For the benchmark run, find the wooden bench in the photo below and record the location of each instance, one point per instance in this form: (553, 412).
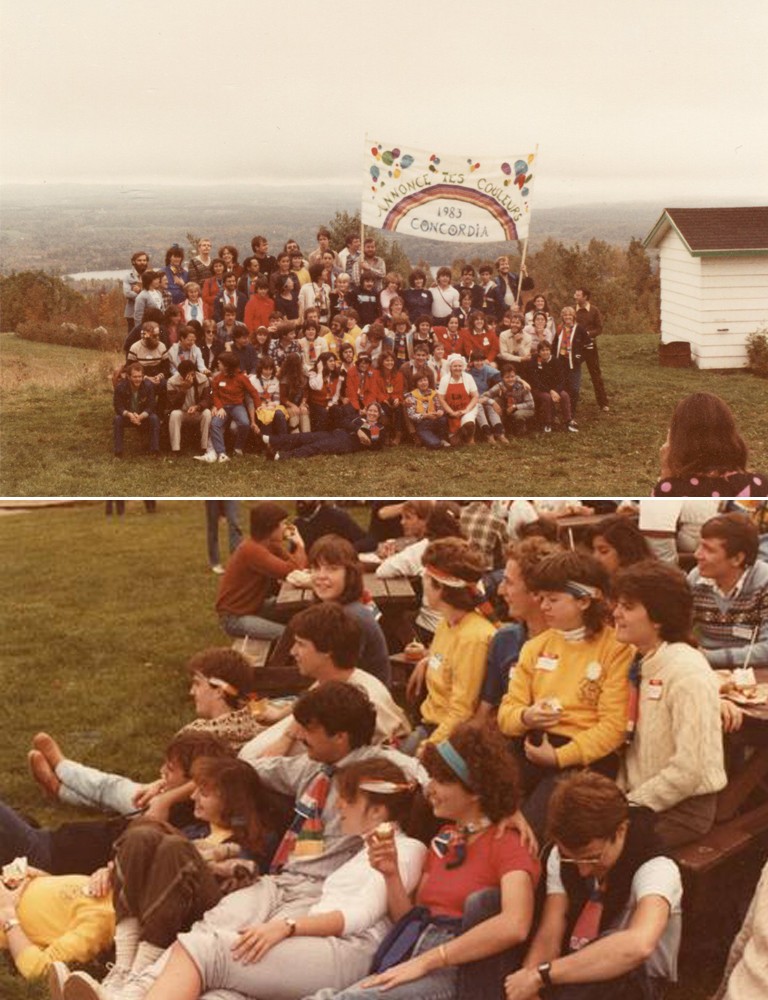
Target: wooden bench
(723, 842)
(270, 680)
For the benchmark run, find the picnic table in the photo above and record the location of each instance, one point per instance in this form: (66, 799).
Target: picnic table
(396, 594)
(579, 524)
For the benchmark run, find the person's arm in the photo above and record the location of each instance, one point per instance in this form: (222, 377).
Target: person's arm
(519, 697)
(407, 562)
(254, 942)
(491, 937)
(469, 659)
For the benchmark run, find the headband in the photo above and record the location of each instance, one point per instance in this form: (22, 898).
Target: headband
(217, 682)
(582, 590)
(455, 761)
(448, 580)
(381, 787)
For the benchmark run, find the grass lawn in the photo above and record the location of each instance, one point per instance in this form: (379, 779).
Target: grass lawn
(55, 439)
(97, 617)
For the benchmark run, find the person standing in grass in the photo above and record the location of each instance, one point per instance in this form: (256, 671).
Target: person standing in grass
(588, 318)
(215, 510)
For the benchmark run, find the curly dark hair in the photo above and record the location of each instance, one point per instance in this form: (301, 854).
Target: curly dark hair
(186, 747)
(339, 708)
(664, 593)
(493, 770)
(622, 534)
(331, 630)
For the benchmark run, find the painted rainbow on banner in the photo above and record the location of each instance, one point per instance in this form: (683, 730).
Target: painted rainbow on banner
(453, 193)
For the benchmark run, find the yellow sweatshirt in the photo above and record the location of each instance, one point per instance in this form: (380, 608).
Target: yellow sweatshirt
(62, 923)
(455, 674)
(589, 677)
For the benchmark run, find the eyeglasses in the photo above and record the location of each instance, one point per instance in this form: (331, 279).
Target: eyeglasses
(592, 862)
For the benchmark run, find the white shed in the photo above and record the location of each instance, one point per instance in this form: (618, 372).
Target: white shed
(714, 280)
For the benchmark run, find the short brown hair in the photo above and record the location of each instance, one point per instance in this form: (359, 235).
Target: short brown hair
(339, 708)
(266, 515)
(737, 532)
(664, 593)
(458, 558)
(529, 553)
(331, 630)
(556, 571)
(186, 747)
(585, 806)
(333, 550)
(228, 665)
(349, 778)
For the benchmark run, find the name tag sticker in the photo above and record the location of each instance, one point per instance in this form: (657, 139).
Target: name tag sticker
(655, 687)
(742, 632)
(435, 661)
(545, 662)
(222, 385)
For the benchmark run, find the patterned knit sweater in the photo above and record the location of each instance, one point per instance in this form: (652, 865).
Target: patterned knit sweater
(677, 751)
(724, 625)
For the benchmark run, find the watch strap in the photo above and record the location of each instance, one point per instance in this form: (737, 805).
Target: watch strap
(545, 973)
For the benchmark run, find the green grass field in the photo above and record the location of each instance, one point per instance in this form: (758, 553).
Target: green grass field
(97, 617)
(55, 439)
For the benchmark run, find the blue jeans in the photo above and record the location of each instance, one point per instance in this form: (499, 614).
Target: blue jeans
(431, 431)
(214, 509)
(573, 386)
(152, 422)
(254, 626)
(239, 414)
(18, 838)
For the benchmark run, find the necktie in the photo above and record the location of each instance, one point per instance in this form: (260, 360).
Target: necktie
(633, 701)
(587, 926)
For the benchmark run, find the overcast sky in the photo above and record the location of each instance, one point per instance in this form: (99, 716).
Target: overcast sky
(627, 99)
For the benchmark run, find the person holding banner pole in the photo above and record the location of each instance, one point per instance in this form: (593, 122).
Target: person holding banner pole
(510, 285)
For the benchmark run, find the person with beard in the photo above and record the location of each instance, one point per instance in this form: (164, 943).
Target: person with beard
(132, 285)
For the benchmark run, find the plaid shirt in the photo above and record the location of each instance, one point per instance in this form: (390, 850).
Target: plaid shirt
(481, 527)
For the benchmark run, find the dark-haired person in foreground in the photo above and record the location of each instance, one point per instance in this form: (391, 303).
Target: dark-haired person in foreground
(730, 593)
(611, 922)
(246, 593)
(135, 405)
(673, 760)
(704, 455)
(337, 723)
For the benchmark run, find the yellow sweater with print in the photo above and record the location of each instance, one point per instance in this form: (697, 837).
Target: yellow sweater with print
(455, 674)
(589, 677)
(62, 923)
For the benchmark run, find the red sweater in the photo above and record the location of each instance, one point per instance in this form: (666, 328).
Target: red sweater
(229, 390)
(389, 388)
(457, 346)
(359, 384)
(250, 570)
(486, 342)
(258, 311)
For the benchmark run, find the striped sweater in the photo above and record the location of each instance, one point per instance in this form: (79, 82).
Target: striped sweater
(724, 625)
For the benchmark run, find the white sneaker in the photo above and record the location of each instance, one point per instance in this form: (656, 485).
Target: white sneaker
(209, 456)
(265, 439)
(57, 976)
(547, 429)
(573, 426)
(239, 452)
(223, 457)
(218, 569)
(81, 986)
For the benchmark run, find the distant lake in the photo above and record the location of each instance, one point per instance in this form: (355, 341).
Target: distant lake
(98, 275)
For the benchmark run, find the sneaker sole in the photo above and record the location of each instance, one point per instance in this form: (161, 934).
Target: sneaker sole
(57, 977)
(79, 986)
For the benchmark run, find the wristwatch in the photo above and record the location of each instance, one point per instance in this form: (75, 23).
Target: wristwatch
(9, 924)
(290, 923)
(545, 973)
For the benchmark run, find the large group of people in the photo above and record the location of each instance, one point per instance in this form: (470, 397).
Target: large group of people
(332, 353)
(508, 833)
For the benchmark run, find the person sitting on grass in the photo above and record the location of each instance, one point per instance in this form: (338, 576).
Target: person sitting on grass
(611, 923)
(319, 917)
(365, 432)
(270, 413)
(162, 880)
(426, 414)
(189, 402)
(390, 393)
(222, 681)
(484, 376)
(477, 337)
(135, 405)
(515, 344)
(230, 389)
(324, 393)
(513, 401)
(246, 602)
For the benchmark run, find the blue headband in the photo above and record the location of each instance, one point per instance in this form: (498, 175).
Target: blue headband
(455, 761)
(576, 589)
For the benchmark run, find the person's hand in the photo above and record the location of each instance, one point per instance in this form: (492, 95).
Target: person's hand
(539, 716)
(194, 408)
(145, 793)
(100, 882)
(382, 855)
(254, 942)
(522, 985)
(520, 825)
(415, 684)
(158, 809)
(555, 396)
(543, 755)
(219, 411)
(731, 716)
(405, 972)
(386, 548)
(664, 458)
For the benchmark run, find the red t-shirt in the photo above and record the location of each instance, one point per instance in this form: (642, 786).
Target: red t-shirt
(444, 890)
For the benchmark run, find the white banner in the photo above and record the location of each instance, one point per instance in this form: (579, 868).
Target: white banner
(438, 196)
